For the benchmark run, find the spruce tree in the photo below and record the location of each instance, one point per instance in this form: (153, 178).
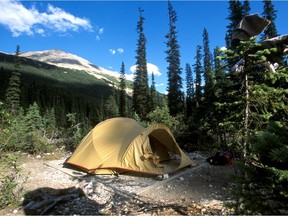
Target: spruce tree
(207, 107)
(222, 89)
(50, 125)
(111, 107)
(218, 65)
(197, 113)
(236, 13)
(238, 117)
(198, 79)
(270, 14)
(34, 121)
(207, 66)
(34, 128)
(190, 91)
(140, 85)
(13, 91)
(153, 94)
(122, 93)
(246, 7)
(260, 124)
(174, 88)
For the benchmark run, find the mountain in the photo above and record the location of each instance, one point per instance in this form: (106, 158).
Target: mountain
(64, 82)
(63, 59)
(66, 90)
(40, 73)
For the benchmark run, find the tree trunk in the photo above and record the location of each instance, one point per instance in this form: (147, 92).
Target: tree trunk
(246, 118)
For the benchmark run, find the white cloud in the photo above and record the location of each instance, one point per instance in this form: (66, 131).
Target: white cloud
(129, 77)
(113, 51)
(22, 20)
(160, 84)
(101, 31)
(40, 31)
(223, 48)
(120, 50)
(151, 68)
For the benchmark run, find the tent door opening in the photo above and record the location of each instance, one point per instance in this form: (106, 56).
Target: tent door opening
(164, 157)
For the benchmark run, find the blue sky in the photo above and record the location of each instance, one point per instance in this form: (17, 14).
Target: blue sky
(104, 32)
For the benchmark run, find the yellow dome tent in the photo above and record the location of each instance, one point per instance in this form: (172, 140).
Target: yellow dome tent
(122, 144)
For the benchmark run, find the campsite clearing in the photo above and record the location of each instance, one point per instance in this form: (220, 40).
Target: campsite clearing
(52, 189)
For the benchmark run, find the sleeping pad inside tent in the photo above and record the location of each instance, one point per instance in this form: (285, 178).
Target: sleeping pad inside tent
(122, 144)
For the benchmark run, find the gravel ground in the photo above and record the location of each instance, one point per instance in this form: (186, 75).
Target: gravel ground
(192, 191)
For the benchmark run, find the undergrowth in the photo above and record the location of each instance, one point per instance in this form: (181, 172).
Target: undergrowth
(11, 189)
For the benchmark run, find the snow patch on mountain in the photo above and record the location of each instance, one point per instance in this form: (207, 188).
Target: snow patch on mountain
(63, 59)
(71, 61)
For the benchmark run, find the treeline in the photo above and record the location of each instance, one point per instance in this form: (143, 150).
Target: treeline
(65, 90)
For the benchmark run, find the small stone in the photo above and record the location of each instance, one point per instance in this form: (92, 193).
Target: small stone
(165, 176)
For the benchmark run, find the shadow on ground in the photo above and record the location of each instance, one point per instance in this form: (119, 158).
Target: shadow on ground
(49, 201)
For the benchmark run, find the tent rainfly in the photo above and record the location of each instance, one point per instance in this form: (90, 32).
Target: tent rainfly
(121, 144)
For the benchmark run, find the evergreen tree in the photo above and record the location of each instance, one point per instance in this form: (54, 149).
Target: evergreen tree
(111, 108)
(60, 110)
(218, 65)
(33, 118)
(34, 128)
(236, 13)
(256, 120)
(207, 66)
(198, 79)
(153, 94)
(238, 106)
(197, 114)
(174, 88)
(122, 94)
(246, 7)
(49, 122)
(4, 80)
(190, 91)
(208, 120)
(270, 14)
(13, 90)
(140, 85)
(267, 174)
(222, 89)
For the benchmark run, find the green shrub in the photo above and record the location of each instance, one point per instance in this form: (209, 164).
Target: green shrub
(9, 194)
(162, 115)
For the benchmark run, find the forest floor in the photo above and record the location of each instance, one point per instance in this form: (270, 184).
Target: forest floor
(51, 188)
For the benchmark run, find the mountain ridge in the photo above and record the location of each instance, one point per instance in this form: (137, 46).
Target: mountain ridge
(64, 59)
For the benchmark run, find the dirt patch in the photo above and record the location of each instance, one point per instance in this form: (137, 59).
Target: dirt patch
(53, 189)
